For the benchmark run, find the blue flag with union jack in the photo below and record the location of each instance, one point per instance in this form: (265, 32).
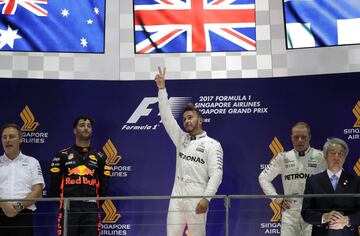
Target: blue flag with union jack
(52, 25)
(316, 23)
(194, 25)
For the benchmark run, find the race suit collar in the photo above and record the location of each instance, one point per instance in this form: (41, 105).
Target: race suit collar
(81, 149)
(302, 153)
(198, 136)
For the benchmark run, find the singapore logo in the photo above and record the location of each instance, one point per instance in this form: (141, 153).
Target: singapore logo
(30, 125)
(111, 153)
(112, 160)
(357, 167)
(109, 224)
(274, 225)
(276, 147)
(354, 133)
(111, 214)
(136, 121)
(356, 112)
(29, 120)
(276, 210)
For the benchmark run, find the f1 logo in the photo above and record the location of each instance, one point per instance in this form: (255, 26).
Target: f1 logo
(142, 109)
(177, 105)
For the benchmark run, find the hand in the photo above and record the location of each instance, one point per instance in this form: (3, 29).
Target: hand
(326, 217)
(283, 203)
(10, 209)
(338, 220)
(202, 206)
(160, 78)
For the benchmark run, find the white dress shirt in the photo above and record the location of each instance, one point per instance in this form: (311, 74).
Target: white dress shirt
(18, 176)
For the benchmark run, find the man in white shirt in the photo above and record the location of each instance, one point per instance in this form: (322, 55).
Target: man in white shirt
(294, 166)
(199, 166)
(20, 178)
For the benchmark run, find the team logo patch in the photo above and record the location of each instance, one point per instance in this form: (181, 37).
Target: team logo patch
(70, 156)
(92, 157)
(55, 170)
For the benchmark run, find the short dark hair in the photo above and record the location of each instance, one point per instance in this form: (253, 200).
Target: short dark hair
(76, 121)
(11, 125)
(191, 107)
(304, 124)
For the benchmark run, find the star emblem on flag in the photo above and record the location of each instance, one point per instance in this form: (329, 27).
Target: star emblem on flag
(7, 37)
(52, 26)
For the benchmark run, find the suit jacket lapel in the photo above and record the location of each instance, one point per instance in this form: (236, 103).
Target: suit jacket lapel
(344, 181)
(325, 182)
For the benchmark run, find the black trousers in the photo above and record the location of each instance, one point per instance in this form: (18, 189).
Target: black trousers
(20, 225)
(83, 219)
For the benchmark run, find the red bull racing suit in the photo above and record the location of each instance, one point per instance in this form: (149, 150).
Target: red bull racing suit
(294, 170)
(80, 172)
(199, 171)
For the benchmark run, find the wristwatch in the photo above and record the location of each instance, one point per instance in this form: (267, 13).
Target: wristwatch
(20, 206)
(349, 222)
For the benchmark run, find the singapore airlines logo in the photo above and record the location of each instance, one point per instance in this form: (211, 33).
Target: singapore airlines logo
(356, 111)
(354, 132)
(29, 135)
(276, 147)
(29, 120)
(112, 160)
(277, 212)
(357, 167)
(111, 214)
(110, 151)
(273, 227)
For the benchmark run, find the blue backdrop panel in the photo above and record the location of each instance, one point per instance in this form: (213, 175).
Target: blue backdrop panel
(244, 115)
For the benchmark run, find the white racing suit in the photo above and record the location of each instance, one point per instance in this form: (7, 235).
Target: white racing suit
(294, 170)
(199, 163)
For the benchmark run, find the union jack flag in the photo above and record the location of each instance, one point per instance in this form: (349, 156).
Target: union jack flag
(30, 5)
(317, 23)
(194, 25)
(52, 26)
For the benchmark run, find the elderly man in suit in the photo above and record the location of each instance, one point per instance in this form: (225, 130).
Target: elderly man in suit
(333, 216)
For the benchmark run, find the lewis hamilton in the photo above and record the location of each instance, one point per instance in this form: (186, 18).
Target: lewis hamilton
(199, 166)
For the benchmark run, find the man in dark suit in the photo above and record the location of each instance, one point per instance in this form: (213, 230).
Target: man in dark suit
(333, 216)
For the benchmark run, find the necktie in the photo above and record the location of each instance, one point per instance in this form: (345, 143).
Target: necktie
(334, 181)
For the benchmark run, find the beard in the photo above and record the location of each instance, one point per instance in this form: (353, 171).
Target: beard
(85, 136)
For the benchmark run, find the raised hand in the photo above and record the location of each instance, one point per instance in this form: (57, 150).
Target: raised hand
(160, 78)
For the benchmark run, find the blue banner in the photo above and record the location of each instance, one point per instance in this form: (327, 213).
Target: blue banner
(248, 117)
